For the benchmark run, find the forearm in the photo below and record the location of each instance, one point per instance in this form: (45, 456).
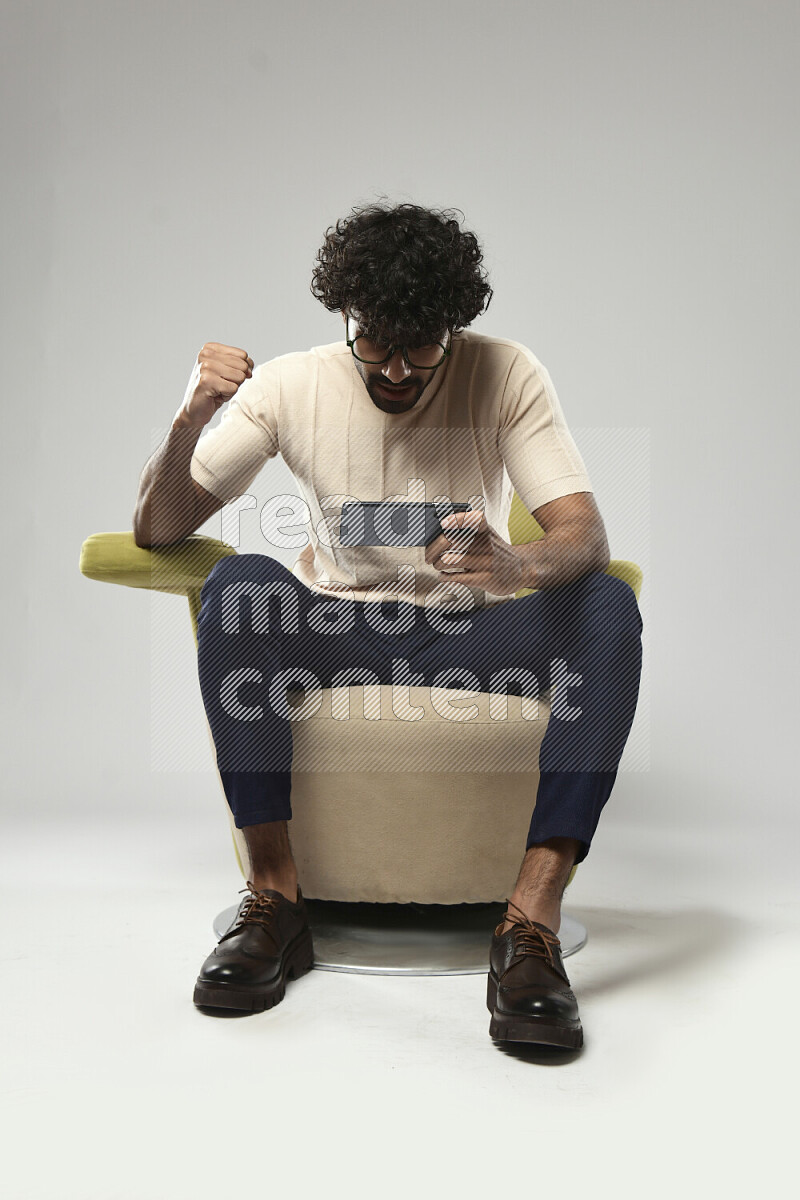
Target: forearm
(166, 504)
(563, 554)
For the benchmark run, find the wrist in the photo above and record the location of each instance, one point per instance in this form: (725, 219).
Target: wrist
(527, 573)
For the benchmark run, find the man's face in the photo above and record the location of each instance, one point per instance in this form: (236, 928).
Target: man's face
(394, 386)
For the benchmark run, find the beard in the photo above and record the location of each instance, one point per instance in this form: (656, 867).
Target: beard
(406, 396)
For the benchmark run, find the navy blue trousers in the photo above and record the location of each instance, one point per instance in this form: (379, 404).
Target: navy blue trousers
(261, 631)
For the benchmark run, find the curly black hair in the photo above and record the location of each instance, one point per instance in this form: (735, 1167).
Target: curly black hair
(407, 272)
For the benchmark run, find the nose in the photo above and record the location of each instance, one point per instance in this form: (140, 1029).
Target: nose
(396, 369)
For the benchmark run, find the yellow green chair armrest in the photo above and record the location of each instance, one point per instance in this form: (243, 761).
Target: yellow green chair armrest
(115, 558)
(523, 527)
(629, 572)
(181, 568)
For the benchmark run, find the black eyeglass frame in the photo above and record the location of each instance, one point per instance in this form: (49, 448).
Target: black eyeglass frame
(404, 349)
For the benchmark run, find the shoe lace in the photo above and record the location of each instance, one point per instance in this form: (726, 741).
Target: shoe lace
(257, 909)
(530, 938)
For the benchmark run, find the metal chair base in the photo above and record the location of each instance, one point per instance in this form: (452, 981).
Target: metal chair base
(407, 939)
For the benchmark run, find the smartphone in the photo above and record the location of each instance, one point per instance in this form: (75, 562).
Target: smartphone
(393, 522)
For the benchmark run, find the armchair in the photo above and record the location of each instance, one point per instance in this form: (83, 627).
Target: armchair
(365, 832)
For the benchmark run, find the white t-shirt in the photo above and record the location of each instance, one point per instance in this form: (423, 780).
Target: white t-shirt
(489, 423)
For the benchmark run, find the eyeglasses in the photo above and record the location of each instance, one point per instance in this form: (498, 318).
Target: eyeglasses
(421, 358)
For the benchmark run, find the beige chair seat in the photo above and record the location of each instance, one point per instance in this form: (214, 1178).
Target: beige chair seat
(433, 810)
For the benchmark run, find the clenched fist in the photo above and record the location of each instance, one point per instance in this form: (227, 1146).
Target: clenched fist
(217, 376)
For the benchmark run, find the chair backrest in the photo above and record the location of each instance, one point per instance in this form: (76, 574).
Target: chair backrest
(522, 527)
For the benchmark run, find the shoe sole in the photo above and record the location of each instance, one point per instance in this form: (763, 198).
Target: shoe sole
(298, 960)
(513, 1027)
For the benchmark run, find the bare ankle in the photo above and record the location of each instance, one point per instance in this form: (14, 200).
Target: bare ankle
(544, 909)
(271, 862)
(542, 880)
(287, 886)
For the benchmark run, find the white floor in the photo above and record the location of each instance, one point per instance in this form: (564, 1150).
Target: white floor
(116, 1088)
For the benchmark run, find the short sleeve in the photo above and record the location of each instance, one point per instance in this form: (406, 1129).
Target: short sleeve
(228, 457)
(536, 446)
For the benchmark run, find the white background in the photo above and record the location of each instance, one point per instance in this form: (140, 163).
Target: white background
(169, 171)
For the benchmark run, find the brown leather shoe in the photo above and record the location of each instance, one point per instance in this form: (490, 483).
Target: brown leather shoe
(528, 991)
(268, 943)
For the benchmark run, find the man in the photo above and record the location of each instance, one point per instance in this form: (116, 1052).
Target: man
(410, 403)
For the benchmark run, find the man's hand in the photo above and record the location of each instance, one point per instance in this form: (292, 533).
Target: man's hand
(171, 504)
(216, 377)
(476, 554)
(574, 543)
